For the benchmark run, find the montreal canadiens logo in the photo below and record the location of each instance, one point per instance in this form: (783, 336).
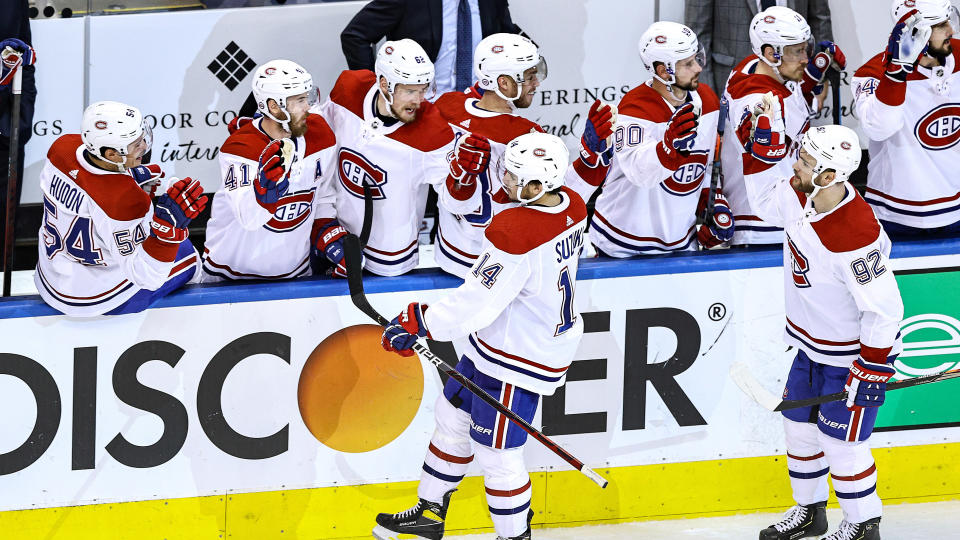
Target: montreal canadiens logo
(845, 145)
(769, 19)
(939, 129)
(270, 71)
(388, 50)
(660, 39)
(539, 152)
(100, 124)
(356, 171)
(688, 177)
(292, 211)
(497, 49)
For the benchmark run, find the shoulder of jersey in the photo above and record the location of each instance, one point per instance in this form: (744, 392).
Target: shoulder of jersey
(351, 89)
(247, 142)
(848, 228)
(645, 103)
(955, 43)
(501, 128)
(746, 84)
(708, 98)
(319, 135)
(429, 132)
(873, 68)
(522, 229)
(118, 195)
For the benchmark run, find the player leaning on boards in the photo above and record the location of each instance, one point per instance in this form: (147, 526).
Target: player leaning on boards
(843, 312)
(273, 215)
(781, 64)
(395, 142)
(105, 247)
(509, 70)
(525, 276)
(665, 135)
(907, 101)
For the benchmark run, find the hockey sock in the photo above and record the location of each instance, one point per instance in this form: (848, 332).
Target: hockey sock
(854, 476)
(449, 454)
(806, 462)
(508, 488)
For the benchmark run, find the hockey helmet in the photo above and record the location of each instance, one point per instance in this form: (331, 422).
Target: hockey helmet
(932, 12)
(669, 42)
(506, 54)
(279, 80)
(404, 62)
(832, 147)
(536, 156)
(778, 27)
(114, 125)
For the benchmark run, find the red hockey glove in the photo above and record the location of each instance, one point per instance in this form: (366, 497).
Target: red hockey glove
(471, 156)
(272, 181)
(175, 209)
(867, 383)
(147, 177)
(327, 244)
(679, 137)
(404, 329)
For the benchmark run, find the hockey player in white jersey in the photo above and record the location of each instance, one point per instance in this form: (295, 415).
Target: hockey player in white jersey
(509, 70)
(843, 311)
(273, 216)
(395, 143)
(516, 308)
(664, 140)
(907, 101)
(783, 63)
(105, 247)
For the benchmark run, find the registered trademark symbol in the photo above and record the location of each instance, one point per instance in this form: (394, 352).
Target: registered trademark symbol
(717, 311)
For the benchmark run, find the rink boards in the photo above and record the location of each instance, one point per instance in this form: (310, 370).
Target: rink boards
(251, 409)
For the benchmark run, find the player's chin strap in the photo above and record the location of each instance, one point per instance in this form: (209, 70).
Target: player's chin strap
(285, 124)
(527, 202)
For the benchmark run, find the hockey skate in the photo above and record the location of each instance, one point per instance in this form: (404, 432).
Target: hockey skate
(525, 535)
(799, 522)
(425, 520)
(868, 530)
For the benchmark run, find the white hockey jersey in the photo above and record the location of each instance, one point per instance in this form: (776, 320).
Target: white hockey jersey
(397, 162)
(460, 236)
(745, 90)
(645, 207)
(95, 249)
(516, 304)
(913, 175)
(840, 293)
(247, 241)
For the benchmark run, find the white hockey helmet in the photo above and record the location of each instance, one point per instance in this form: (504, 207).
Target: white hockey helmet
(932, 12)
(536, 156)
(669, 42)
(278, 80)
(114, 125)
(832, 147)
(778, 27)
(404, 62)
(506, 54)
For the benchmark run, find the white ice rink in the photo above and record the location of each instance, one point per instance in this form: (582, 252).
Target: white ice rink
(926, 521)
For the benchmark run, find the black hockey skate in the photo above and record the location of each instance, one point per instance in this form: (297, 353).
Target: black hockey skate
(425, 520)
(868, 530)
(525, 535)
(799, 522)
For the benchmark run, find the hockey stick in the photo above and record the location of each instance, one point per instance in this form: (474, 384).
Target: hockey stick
(707, 216)
(351, 247)
(833, 75)
(12, 180)
(741, 375)
(367, 215)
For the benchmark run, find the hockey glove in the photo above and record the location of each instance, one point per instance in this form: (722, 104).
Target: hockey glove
(240, 121)
(272, 181)
(148, 177)
(679, 137)
(900, 59)
(769, 143)
(174, 210)
(595, 148)
(470, 158)
(13, 54)
(720, 229)
(817, 67)
(404, 329)
(327, 244)
(867, 383)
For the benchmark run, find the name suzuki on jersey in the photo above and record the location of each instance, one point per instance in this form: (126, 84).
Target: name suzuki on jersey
(570, 246)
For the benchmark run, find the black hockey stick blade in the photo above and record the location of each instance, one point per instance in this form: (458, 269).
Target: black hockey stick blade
(353, 259)
(834, 77)
(741, 375)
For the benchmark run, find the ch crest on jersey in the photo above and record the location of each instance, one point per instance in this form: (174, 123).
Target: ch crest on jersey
(292, 211)
(688, 177)
(800, 265)
(939, 129)
(356, 171)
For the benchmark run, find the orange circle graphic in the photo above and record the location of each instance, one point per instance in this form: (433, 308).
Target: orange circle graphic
(353, 395)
